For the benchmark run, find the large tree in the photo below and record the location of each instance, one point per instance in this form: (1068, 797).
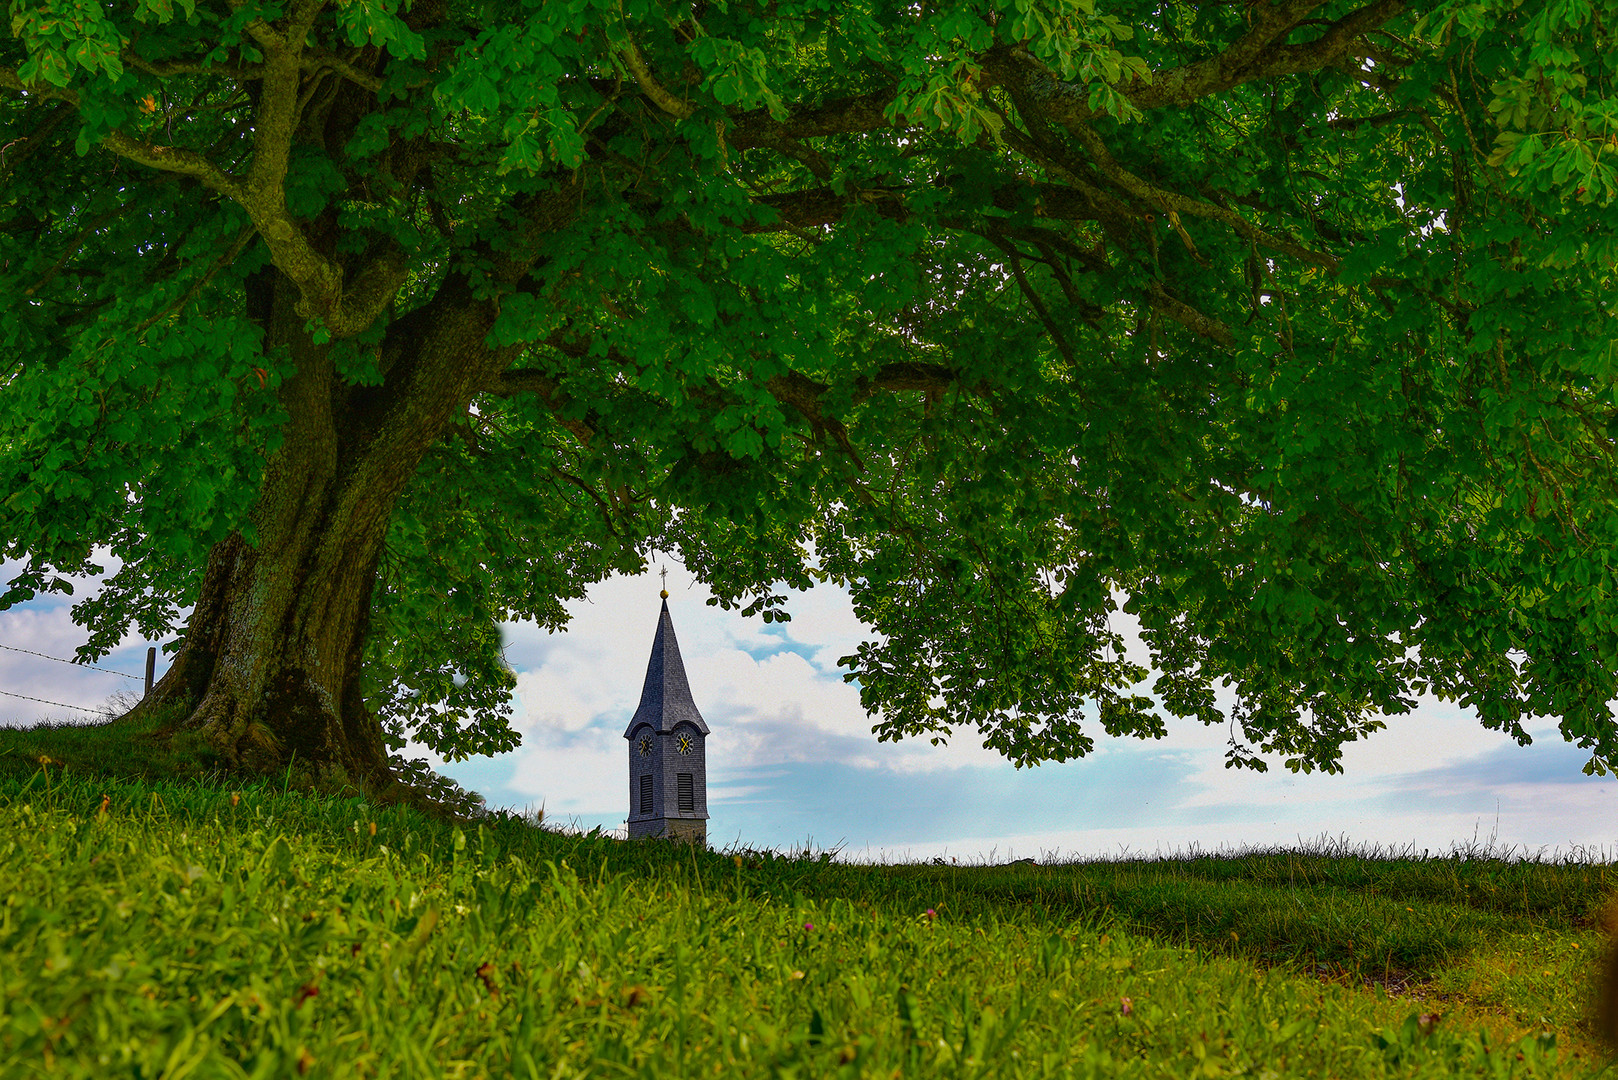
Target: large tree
(358, 326)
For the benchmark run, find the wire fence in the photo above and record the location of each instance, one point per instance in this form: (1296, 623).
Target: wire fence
(42, 701)
(151, 666)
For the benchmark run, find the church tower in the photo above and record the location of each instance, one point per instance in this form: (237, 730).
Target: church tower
(668, 776)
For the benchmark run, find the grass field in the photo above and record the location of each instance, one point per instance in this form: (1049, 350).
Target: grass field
(197, 928)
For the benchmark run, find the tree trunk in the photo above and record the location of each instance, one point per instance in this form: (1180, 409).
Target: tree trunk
(270, 670)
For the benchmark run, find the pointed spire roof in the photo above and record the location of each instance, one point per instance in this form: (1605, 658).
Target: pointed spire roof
(665, 700)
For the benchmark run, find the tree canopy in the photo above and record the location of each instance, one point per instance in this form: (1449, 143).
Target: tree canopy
(359, 326)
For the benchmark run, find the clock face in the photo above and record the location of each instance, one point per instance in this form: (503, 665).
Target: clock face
(684, 743)
(646, 745)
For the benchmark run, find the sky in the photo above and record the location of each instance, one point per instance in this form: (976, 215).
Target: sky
(792, 762)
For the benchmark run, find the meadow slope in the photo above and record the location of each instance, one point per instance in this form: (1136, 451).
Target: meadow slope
(189, 929)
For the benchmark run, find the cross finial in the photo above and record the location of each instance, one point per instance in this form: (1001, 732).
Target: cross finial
(665, 573)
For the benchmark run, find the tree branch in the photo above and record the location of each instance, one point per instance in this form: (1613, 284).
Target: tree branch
(911, 375)
(220, 263)
(840, 116)
(166, 158)
(173, 159)
(1110, 210)
(1335, 42)
(327, 61)
(1190, 318)
(168, 68)
(74, 245)
(1270, 22)
(636, 63)
(19, 149)
(1259, 54)
(515, 381)
(813, 207)
(1034, 299)
(802, 394)
(262, 193)
(1174, 203)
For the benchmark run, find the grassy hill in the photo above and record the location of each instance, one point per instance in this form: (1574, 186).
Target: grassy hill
(201, 928)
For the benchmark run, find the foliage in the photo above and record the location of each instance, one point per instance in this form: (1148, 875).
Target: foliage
(1285, 323)
(277, 934)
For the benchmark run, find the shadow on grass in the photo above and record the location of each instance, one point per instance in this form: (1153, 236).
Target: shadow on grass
(1372, 915)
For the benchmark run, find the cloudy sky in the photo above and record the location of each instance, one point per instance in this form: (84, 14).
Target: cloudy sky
(792, 760)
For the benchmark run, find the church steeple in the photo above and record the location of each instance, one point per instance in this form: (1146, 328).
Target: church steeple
(668, 782)
(665, 699)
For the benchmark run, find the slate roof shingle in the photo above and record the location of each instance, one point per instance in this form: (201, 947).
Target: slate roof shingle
(665, 700)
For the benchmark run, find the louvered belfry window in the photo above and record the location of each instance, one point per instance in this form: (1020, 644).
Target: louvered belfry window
(646, 794)
(687, 793)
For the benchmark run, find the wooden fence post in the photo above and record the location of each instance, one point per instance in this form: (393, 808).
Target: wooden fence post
(151, 667)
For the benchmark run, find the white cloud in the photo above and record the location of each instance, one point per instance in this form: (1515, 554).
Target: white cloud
(792, 749)
(773, 692)
(776, 701)
(45, 626)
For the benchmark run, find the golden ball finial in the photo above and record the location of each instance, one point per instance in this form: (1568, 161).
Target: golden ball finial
(665, 594)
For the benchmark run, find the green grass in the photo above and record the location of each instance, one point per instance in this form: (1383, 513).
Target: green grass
(151, 748)
(128, 748)
(1509, 940)
(154, 928)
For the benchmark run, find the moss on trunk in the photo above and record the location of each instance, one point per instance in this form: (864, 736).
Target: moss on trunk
(269, 672)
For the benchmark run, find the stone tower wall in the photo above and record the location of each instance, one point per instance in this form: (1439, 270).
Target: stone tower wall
(680, 830)
(639, 766)
(695, 763)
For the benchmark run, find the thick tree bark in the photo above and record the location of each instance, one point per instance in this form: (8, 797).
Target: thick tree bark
(270, 670)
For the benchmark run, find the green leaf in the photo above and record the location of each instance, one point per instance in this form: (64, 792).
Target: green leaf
(481, 95)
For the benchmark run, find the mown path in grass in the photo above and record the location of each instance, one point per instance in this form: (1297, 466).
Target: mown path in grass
(1510, 941)
(181, 929)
